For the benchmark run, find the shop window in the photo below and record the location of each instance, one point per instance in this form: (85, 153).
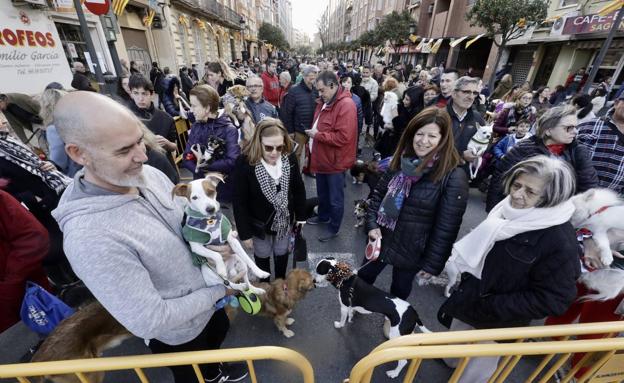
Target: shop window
(74, 44)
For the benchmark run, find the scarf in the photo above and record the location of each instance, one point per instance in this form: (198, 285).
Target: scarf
(399, 188)
(504, 222)
(277, 198)
(16, 152)
(516, 114)
(556, 149)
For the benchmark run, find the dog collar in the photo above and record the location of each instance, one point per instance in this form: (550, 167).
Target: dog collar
(479, 142)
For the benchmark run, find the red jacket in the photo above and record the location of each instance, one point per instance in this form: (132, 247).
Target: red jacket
(272, 88)
(335, 145)
(23, 245)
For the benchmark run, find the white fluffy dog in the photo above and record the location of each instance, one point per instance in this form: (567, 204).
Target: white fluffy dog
(389, 109)
(599, 210)
(478, 145)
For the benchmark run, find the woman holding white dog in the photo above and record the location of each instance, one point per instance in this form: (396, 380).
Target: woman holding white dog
(269, 195)
(522, 262)
(417, 206)
(555, 137)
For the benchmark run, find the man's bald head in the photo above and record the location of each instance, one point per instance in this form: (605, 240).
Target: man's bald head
(78, 66)
(81, 117)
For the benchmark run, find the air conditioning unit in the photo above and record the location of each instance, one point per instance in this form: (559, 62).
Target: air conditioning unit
(430, 9)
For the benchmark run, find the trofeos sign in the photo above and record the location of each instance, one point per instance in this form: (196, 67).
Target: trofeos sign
(31, 53)
(593, 23)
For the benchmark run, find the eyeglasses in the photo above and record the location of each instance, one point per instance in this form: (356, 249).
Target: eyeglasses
(255, 86)
(270, 149)
(466, 92)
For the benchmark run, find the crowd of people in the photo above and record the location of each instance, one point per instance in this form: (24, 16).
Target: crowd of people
(97, 208)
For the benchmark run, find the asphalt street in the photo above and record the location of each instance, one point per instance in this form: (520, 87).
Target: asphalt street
(332, 352)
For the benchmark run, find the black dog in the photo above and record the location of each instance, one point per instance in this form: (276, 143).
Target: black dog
(357, 295)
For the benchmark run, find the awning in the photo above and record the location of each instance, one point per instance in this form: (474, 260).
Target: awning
(611, 7)
(420, 46)
(414, 38)
(437, 45)
(119, 6)
(469, 43)
(458, 41)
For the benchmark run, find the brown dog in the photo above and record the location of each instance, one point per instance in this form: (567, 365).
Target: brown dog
(86, 334)
(282, 296)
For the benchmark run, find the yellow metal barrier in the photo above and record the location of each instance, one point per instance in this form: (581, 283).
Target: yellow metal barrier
(601, 358)
(137, 363)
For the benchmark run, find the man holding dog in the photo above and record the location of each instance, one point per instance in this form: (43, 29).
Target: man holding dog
(122, 234)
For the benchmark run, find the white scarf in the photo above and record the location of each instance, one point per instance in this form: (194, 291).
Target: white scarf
(502, 223)
(275, 171)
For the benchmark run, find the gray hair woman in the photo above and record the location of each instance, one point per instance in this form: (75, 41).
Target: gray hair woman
(522, 262)
(555, 137)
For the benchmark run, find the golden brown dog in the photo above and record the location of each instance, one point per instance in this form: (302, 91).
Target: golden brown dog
(86, 334)
(282, 296)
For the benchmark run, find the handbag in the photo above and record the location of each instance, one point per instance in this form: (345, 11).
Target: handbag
(42, 311)
(298, 245)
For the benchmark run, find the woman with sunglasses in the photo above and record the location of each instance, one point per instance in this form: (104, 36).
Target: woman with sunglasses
(555, 137)
(269, 195)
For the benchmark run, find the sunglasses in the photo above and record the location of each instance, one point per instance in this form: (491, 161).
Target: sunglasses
(270, 149)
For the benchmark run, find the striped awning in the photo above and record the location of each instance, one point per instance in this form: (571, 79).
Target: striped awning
(437, 45)
(458, 41)
(611, 7)
(469, 43)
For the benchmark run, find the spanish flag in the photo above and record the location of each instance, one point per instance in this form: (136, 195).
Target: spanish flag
(119, 6)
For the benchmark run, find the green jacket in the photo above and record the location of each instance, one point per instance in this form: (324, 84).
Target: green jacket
(22, 111)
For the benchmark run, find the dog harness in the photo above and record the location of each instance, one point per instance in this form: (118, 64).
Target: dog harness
(207, 230)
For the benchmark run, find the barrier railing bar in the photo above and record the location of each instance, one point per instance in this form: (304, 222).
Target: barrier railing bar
(22, 380)
(592, 370)
(490, 349)
(412, 370)
(501, 365)
(510, 366)
(141, 375)
(252, 371)
(82, 377)
(556, 366)
(459, 370)
(503, 334)
(198, 373)
(542, 364)
(577, 367)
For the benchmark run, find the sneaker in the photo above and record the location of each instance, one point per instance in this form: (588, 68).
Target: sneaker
(316, 221)
(327, 237)
(230, 372)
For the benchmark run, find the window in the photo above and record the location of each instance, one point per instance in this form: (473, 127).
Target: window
(567, 3)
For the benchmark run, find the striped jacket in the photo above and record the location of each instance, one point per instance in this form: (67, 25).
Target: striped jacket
(606, 145)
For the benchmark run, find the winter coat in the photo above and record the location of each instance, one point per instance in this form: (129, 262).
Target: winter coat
(506, 144)
(272, 88)
(163, 162)
(157, 121)
(526, 277)
(502, 89)
(576, 155)
(502, 124)
(297, 109)
(187, 83)
(427, 225)
(260, 110)
(252, 211)
(21, 112)
(365, 97)
(23, 247)
(220, 127)
(335, 144)
(168, 101)
(360, 111)
(464, 130)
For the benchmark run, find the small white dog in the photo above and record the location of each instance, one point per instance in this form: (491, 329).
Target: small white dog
(478, 145)
(205, 226)
(599, 210)
(389, 109)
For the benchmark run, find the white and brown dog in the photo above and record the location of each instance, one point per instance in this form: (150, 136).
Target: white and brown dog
(601, 212)
(478, 145)
(206, 226)
(357, 295)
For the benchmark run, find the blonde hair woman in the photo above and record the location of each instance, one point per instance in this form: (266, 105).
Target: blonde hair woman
(269, 195)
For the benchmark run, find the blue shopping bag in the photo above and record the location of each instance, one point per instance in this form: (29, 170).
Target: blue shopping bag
(42, 311)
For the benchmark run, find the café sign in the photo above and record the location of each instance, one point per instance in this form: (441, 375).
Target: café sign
(31, 52)
(593, 23)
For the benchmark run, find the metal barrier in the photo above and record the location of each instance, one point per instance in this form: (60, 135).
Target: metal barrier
(81, 367)
(602, 363)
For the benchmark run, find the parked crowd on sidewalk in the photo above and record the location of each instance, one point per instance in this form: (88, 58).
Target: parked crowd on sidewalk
(94, 203)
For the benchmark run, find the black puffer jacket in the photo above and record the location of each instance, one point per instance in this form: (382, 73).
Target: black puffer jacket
(428, 223)
(529, 276)
(576, 155)
(297, 110)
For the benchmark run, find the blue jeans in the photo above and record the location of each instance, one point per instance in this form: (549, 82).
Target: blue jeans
(330, 191)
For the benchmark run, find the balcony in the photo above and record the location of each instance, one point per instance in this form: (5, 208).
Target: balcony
(212, 10)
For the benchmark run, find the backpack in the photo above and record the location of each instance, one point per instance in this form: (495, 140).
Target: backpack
(42, 311)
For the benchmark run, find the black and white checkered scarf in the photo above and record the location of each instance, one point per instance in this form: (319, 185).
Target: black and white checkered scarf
(279, 200)
(16, 152)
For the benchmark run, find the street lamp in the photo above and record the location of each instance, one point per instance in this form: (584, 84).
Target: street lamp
(244, 53)
(412, 28)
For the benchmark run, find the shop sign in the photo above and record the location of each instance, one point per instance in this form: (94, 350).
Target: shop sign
(593, 23)
(31, 52)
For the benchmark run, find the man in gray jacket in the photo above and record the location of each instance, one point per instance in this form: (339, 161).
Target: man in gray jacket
(258, 106)
(122, 235)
